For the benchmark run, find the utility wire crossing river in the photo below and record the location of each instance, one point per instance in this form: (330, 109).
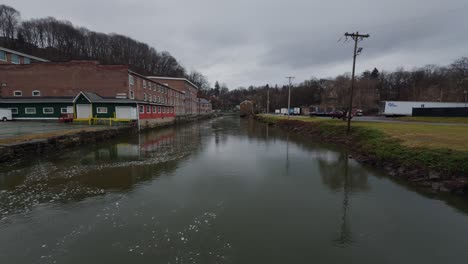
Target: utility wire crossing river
(227, 190)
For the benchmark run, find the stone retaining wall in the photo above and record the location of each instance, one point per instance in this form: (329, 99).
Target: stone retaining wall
(16, 151)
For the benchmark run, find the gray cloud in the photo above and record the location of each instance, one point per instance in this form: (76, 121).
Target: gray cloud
(256, 42)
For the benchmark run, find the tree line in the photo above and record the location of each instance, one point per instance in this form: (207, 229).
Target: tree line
(428, 83)
(60, 40)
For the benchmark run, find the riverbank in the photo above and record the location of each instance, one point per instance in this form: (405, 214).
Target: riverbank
(17, 148)
(14, 151)
(437, 169)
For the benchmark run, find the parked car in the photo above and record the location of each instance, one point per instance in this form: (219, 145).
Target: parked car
(338, 115)
(358, 112)
(5, 114)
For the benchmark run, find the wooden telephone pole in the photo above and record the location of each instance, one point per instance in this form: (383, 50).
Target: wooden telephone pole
(356, 37)
(268, 98)
(289, 94)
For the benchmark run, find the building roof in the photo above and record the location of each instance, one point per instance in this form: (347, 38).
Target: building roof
(174, 78)
(203, 101)
(95, 98)
(149, 79)
(36, 100)
(23, 54)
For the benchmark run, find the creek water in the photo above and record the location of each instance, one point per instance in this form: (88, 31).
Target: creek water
(227, 190)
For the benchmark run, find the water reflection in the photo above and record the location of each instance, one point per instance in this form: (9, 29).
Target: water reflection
(221, 191)
(91, 171)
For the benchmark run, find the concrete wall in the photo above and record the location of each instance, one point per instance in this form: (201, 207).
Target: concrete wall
(156, 122)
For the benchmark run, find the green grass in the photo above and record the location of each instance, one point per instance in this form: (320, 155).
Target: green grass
(422, 135)
(453, 120)
(410, 135)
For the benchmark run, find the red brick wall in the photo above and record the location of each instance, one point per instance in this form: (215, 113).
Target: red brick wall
(169, 112)
(64, 79)
(190, 93)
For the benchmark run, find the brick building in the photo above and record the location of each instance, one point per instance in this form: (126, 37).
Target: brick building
(79, 87)
(8, 56)
(182, 85)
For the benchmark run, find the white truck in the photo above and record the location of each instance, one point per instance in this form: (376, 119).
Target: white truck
(5, 114)
(405, 108)
(297, 111)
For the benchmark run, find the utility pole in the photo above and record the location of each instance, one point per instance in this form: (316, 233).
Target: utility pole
(466, 96)
(289, 94)
(268, 98)
(356, 37)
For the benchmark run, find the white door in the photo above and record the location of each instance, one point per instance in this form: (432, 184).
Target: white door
(70, 109)
(134, 113)
(83, 111)
(123, 112)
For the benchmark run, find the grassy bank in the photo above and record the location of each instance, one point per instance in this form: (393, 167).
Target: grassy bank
(451, 120)
(418, 152)
(409, 134)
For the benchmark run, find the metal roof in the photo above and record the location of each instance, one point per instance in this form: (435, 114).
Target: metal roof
(23, 54)
(36, 100)
(174, 78)
(92, 97)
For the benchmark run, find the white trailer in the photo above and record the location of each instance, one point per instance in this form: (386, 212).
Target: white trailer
(277, 111)
(297, 111)
(284, 111)
(405, 108)
(5, 114)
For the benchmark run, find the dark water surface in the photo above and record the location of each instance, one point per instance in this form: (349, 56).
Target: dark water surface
(221, 191)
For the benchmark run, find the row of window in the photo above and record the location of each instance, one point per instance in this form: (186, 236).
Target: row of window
(154, 86)
(154, 108)
(15, 59)
(20, 93)
(154, 98)
(32, 110)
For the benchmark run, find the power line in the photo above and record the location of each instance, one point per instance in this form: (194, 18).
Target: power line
(357, 38)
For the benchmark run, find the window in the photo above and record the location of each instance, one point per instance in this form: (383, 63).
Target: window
(159, 99)
(26, 60)
(17, 93)
(154, 87)
(154, 109)
(144, 84)
(159, 109)
(144, 97)
(154, 98)
(63, 110)
(149, 98)
(148, 109)
(164, 109)
(46, 110)
(101, 110)
(131, 80)
(30, 110)
(3, 55)
(36, 93)
(15, 59)
(14, 110)
(142, 109)
(131, 95)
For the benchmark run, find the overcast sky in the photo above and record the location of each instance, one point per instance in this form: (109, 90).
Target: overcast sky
(254, 42)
